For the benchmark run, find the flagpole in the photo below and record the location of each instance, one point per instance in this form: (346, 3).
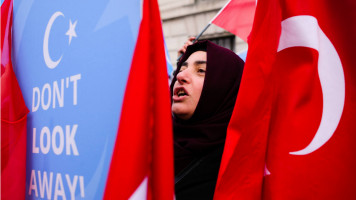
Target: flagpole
(196, 38)
(211, 21)
(201, 33)
(206, 27)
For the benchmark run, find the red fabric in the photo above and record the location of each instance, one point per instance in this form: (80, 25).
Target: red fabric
(237, 17)
(280, 107)
(144, 146)
(13, 118)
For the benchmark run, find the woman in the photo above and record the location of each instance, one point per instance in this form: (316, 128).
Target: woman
(203, 90)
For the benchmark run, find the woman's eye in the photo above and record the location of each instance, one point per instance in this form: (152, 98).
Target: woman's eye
(201, 70)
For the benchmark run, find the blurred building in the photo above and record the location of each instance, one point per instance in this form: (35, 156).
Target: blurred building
(184, 18)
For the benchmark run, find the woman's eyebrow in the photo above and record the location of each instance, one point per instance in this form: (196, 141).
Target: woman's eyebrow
(199, 62)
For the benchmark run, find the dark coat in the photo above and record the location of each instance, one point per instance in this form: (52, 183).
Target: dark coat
(199, 141)
(198, 180)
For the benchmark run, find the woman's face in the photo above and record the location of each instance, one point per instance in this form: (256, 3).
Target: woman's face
(187, 89)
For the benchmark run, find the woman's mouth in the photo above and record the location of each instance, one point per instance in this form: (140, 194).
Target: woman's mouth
(179, 94)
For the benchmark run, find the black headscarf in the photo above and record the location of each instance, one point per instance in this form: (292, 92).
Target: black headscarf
(205, 131)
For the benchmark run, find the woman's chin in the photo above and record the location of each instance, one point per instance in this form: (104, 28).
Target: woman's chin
(181, 113)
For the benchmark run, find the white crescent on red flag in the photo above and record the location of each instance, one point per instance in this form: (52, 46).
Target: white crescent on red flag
(293, 115)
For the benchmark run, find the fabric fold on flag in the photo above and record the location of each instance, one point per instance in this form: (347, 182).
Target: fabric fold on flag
(13, 117)
(291, 135)
(237, 17)
(143, 152)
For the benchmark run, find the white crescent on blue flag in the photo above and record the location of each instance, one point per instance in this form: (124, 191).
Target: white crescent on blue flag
(72, 60)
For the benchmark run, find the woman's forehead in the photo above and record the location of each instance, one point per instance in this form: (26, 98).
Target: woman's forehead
(198, 55)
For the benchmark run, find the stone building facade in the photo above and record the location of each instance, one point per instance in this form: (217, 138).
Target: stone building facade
(184, 18)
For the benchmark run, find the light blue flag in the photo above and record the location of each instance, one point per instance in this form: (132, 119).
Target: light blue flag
(168, 60)
(72, 60)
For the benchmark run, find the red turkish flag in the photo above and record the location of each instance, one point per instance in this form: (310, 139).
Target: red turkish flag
(13, 118)
(142, 161)
(237, 17)
(292, 133)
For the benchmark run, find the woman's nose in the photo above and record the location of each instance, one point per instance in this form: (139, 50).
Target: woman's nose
(183, 76)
